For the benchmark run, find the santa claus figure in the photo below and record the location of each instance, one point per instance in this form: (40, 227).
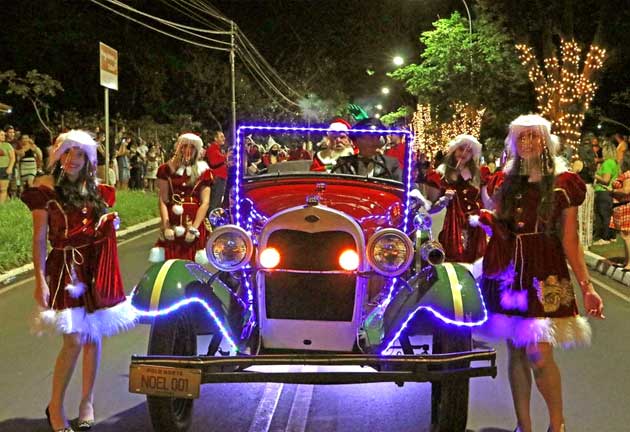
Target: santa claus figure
(337, 144)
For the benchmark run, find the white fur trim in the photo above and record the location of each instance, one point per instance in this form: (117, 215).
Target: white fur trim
(560, 332)
(475, 221)
(75, 290)
(90, 326)
(202, 166)
(73, 138)
(157, 255)
(201, 257)
(514, 300)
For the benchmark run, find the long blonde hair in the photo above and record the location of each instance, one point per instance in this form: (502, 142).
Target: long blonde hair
(188, 139)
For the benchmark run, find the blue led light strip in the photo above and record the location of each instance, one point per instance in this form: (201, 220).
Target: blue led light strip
(239, 151)
(186, 302)
(438, 315)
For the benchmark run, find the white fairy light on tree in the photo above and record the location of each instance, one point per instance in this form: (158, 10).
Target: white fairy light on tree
(563, 92)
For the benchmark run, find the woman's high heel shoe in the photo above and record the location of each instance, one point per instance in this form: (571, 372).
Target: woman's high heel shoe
(63, 429)
(85, 425)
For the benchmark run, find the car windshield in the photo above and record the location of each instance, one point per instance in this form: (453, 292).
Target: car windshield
(269, 151)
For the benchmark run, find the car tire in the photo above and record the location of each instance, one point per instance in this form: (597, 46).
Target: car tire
(449, 398)
(172, 335)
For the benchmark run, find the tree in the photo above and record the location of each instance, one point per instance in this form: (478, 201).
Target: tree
(564, 87)
(481, 70)
(34, 87)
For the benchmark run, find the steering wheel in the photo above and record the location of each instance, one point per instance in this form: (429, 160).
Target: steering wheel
(347, 163)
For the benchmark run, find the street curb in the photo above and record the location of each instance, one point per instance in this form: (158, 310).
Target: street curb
(606, 267)
(13, 273)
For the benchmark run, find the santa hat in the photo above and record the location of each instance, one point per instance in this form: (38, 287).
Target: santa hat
(529, 121)
(464, 139)
(190, 138)
(272, 142)
(339, 125)
(73, 138)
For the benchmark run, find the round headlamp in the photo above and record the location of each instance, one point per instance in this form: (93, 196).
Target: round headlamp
(229, 248)
(390, 252)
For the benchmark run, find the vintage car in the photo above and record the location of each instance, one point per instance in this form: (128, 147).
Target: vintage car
(312, 268)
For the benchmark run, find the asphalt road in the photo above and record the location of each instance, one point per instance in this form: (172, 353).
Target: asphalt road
(596, 382)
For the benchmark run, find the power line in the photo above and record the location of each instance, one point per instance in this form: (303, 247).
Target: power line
(160, 31)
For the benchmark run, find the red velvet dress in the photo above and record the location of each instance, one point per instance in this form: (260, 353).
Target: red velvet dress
(83, 255)
(526, 282)
(461, 241)
(188, 194)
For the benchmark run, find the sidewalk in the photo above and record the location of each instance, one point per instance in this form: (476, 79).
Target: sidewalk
(607, 264)
(8, 277)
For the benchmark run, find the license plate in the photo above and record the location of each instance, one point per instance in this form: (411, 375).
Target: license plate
(165, 381)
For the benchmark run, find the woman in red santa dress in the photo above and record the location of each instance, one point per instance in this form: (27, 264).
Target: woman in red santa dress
(184, 199)
(455, 184)
(526, 281)
(78, 283)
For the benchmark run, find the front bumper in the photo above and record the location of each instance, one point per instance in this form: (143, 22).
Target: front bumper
(398, 369)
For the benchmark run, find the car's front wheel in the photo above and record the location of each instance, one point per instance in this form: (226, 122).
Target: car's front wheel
(172, 335)
(449, 398)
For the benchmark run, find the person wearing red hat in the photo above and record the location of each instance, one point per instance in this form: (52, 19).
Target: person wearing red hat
(455, 184)
(337, 144)
(526, 283)
(184, 184)
(78, 285)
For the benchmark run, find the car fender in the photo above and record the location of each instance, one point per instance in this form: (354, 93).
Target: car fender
(448, 292)
(176, 283)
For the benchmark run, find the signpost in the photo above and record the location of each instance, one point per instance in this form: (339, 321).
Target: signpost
(108, 65)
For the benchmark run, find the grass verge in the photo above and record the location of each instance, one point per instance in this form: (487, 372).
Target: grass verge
(16, 224)
(613, 251)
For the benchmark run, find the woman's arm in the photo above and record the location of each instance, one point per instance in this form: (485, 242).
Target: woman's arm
(163, 198)
(204, 206)
(40, 231)
(603, 179)
(575, 255)
(11, 161)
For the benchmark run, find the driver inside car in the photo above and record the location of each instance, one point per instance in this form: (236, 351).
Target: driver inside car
(369, 161)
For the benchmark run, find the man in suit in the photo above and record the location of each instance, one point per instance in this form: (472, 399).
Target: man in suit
(369, 161)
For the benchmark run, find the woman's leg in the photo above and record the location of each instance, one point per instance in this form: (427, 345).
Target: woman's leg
(548, 381)
(520, 376)
(4, 190)
(64, 366)
(625, 236)
(91, 361)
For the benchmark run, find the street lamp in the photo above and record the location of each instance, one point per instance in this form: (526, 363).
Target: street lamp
(385, 90)
(379, 107)
(399, 61)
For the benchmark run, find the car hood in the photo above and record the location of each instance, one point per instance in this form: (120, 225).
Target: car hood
(371, 204)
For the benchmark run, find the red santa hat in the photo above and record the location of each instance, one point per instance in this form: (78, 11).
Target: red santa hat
(468, 140)
(73, 138)
(339, 125)
(190, 138)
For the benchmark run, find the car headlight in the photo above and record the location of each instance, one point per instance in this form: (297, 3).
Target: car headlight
(229, 248)
(390, 252)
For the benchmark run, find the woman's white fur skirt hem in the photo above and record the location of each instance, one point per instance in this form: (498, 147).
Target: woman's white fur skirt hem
(91, 327)
(566, 332)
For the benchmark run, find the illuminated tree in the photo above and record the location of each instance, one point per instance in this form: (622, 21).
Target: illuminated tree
(564, 86)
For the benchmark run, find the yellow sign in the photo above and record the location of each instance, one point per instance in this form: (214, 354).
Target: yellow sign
(108, 65)
(165, 381)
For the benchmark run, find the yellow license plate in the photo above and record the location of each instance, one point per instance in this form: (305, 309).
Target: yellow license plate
(165, 381)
